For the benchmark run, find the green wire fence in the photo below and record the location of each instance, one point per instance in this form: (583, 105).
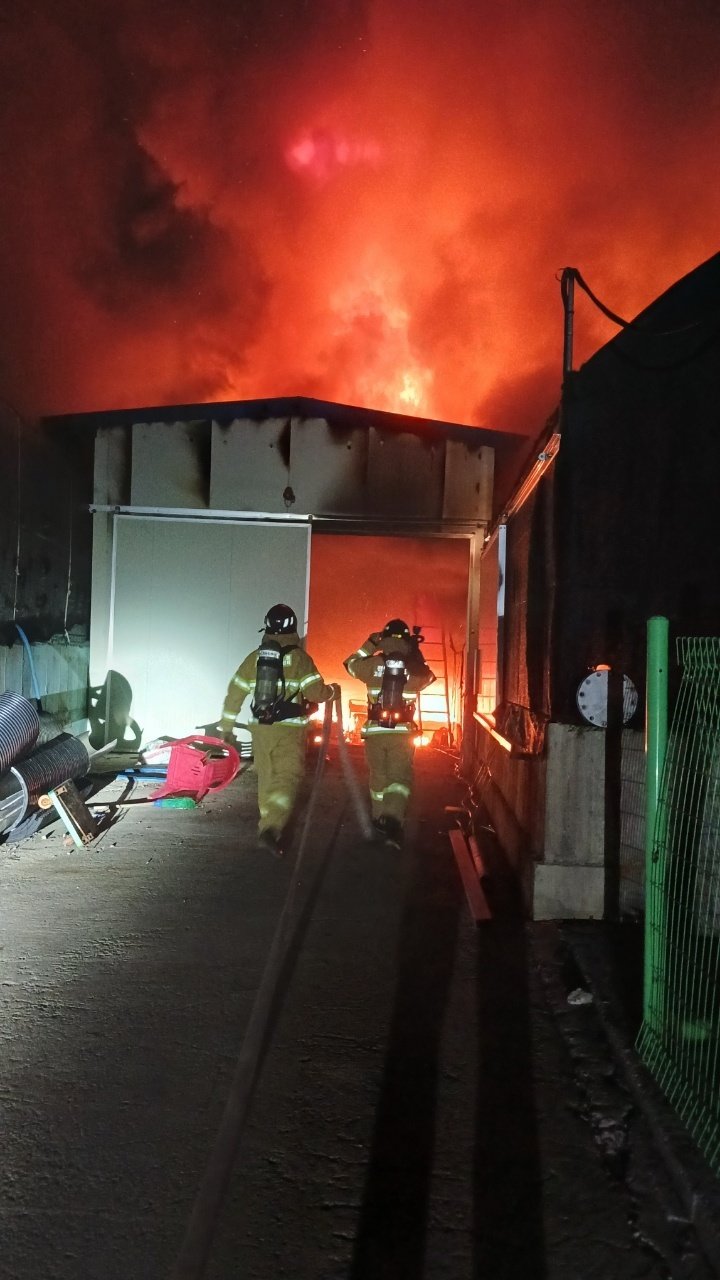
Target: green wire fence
(680, 1036)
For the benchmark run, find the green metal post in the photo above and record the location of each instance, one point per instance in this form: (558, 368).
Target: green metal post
(656, 727)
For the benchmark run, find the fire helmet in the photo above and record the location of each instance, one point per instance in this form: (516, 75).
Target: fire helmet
(397, 629)
(280, 620)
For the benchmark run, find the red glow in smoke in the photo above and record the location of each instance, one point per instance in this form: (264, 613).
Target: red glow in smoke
(321, 154)
(364, 203)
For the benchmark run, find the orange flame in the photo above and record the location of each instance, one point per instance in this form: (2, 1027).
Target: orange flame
(366, 203)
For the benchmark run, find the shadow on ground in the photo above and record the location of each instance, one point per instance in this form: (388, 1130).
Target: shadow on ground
(507, 1215)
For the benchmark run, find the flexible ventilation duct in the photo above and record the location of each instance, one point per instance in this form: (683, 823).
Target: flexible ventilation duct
(65, 757)
(19, 727)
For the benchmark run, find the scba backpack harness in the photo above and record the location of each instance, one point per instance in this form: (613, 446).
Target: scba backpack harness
(269, 704)
(391, 708)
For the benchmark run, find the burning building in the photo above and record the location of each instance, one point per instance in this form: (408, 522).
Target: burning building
(205, 515)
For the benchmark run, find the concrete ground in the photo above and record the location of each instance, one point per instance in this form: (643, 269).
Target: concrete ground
(430, 1106)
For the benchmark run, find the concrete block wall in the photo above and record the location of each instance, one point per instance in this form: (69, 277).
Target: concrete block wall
(570, 881)
(549, 815)
(512, 790)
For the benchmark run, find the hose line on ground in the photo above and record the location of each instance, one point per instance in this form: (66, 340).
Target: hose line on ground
(352, 783)
(192, 1259)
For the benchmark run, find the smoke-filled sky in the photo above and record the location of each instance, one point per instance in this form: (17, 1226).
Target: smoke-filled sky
(360, 200)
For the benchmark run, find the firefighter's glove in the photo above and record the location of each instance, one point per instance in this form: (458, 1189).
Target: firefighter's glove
(373, 640)
(336, 692)
(228, 737)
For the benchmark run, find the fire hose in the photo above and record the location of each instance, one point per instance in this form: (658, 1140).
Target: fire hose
(194, 1251)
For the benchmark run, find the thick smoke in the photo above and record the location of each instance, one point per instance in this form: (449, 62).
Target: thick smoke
(363, 202)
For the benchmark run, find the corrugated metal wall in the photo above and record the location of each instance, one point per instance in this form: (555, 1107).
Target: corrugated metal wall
(61, 669)
(45, 530)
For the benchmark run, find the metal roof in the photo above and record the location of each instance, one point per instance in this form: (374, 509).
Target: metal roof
(339, 415)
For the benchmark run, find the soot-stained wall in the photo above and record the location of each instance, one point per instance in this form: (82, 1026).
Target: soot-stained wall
(45, 529)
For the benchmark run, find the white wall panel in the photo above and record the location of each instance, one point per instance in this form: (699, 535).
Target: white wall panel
(188, 603)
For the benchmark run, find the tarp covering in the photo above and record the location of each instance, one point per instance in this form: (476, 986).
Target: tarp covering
(624, 525)
(637, 497)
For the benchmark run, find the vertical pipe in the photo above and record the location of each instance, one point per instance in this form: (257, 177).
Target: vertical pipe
(471, 664)
(448, 712)
(613, 785)
(568, 296)
(308, 573)
(656, 720)
(500, 653)
(31, 664)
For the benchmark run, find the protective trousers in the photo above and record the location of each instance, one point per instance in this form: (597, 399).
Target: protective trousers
(390, 766)
(279, 753)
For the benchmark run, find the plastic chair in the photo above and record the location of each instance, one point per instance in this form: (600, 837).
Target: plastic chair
(197, 766)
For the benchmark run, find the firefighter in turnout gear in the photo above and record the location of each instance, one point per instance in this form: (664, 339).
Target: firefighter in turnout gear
(390, 664)
(282, 680)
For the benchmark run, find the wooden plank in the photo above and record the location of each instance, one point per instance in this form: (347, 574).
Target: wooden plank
(477, 857)
(73, 812)
(477, 902)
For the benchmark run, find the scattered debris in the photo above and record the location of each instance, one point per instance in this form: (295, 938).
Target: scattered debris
(579, 996)
(74, 814)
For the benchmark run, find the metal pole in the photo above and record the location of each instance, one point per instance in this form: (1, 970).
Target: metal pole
(448, 711)
(656, 722)
(471, 663)
(568, 295)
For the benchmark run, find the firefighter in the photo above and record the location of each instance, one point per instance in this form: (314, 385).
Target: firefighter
(391, 666)
(282, 680)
